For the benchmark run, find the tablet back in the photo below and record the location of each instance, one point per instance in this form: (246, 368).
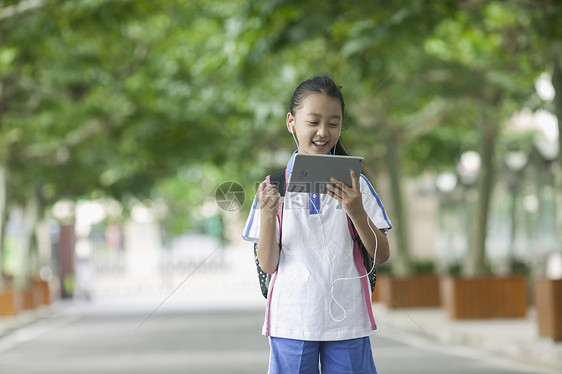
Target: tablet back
(312, 172)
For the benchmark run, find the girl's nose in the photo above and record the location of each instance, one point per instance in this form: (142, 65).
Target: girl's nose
(322, 131)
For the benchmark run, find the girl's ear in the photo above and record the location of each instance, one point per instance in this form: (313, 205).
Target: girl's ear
(290, 123)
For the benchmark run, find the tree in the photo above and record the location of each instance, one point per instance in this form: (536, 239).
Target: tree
(106, 98)
(368, 47)
(545, 17)
(490, 61)
(112, 98)
(444, 66)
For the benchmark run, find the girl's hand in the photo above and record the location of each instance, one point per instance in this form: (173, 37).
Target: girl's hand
(350, 197)
(268, 198)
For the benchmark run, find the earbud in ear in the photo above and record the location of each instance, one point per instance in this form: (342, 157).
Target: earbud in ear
(292, 131)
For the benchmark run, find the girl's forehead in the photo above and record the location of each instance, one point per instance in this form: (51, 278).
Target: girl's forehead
(320, 103)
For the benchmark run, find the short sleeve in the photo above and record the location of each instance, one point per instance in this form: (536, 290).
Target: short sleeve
(373, 205)
(251, 230)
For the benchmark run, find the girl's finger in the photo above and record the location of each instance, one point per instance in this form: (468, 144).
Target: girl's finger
(336, 196)
(354, 180)
(333, 190)
(336, 183)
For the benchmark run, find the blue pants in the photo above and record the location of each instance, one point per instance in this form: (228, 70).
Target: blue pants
(289, 356)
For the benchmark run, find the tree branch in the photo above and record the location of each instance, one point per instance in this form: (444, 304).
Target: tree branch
(21, 7)
(425, 120)
(72, 139)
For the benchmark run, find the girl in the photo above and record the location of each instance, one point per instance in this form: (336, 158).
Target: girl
(317, 310)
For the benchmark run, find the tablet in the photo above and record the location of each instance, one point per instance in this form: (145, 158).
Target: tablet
(312, 172)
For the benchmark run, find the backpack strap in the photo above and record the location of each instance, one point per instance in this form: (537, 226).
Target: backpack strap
(362, 260)
(280, 180)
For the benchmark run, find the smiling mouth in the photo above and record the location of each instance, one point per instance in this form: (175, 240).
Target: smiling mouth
(319, 143)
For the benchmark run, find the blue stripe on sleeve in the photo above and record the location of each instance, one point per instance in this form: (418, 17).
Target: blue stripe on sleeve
(251, 220)
(378, 201)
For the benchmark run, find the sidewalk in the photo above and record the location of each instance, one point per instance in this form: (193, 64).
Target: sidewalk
(515, 339)
(24, 318)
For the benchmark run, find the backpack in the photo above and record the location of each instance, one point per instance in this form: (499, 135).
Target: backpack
(279, 179)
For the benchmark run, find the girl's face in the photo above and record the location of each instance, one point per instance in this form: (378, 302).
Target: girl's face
(317, 123)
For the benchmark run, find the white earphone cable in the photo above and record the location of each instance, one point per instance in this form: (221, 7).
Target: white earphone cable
(325, 246)
(292, 124)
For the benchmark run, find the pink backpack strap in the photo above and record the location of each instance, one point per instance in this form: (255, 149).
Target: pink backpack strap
(359, 261)
(274, 276)
(279, 211)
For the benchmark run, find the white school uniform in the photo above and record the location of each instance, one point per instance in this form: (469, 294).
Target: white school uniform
(317, 259)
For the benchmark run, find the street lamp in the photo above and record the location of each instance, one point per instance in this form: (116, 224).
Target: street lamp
(544, 87)
(547, 145)
(515, 162)
(546, 140)
(448, 222)
(446, 182)
(468, 167)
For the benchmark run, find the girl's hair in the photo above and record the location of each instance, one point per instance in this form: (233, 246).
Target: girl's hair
(323, 84)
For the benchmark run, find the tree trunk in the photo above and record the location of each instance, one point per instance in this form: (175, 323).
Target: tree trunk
(476, 259)
(30, 253)
(3, 217)
(557, 83)
(402, 260)
(3, 188)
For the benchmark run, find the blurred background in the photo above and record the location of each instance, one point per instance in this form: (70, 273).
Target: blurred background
(125, 126)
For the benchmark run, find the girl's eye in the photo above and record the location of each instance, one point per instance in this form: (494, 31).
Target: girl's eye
(316, 123)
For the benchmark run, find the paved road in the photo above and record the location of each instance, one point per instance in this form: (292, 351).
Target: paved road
(225, 342)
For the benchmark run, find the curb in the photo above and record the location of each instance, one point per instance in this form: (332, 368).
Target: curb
(10, 324)
(513, 339)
